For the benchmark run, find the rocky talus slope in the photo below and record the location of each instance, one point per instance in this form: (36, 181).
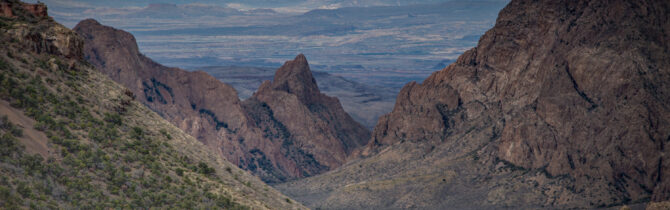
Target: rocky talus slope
(262, 134)
(72, 138)
(561, 104)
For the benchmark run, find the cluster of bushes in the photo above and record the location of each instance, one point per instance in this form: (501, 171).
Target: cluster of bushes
(12, 194)
(130, 161)
(203, 168)
(8, 142)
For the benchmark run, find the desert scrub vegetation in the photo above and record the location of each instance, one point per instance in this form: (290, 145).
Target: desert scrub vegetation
(103, 156)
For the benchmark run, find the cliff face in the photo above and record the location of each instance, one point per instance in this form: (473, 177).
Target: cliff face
(258, 135)
(576, 88)
(562, 103)
(193, 101)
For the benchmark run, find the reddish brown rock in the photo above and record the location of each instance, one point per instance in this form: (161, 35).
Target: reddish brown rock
(308, 114)
(263, 134)
(53, 40)
(562, 103)
(36, 10)
(6, 9)
(578, 88)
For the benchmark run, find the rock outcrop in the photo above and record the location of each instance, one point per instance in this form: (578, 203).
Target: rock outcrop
(562, 103)
(8, 8)
(52, 40)
(261, 134)
(579, 91)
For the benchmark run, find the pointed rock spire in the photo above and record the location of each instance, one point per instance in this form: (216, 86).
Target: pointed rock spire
(295, 77)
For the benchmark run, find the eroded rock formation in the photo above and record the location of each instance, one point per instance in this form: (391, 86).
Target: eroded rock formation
(562, 103)
(279, 134)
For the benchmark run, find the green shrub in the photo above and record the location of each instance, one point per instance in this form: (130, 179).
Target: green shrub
(6, 125)
(4, 65)
(103, 134)
(17, 132)
(137, 133)
(114, 119)
(24, 190)
(203, 168)
(166, 134)
(32, 164)
(8, 145)
(11, 201)
(40, 126)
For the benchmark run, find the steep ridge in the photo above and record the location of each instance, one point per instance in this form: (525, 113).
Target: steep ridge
(294, 100)
(211, 111)
(193, 101)
(561, 104)
(72, 138)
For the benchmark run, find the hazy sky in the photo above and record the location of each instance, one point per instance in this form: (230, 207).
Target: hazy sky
(279, 5)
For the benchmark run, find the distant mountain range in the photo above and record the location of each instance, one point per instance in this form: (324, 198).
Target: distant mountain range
(251, 4)
(381, 44)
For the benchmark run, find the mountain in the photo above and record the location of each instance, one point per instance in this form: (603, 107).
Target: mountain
(72, 138)
(562, 104)
(304, 116)
(365, 103)
(258, 135)
(384, 46)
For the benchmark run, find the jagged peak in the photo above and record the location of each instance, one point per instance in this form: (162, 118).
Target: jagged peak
(295, 77)
(296, 67)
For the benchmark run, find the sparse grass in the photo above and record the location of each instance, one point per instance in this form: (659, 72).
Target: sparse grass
(108, 160)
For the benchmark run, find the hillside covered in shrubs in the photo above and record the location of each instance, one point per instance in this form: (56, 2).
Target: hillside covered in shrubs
(72, 138)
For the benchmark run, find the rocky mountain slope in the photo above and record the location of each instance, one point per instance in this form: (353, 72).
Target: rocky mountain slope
(365, 103)
(260, 134)
(562, 104)
(302, 115)
(72, 138)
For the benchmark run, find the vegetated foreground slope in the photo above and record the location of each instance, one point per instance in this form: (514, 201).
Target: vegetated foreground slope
(561, 104)
(263, 135)
(72, 138)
